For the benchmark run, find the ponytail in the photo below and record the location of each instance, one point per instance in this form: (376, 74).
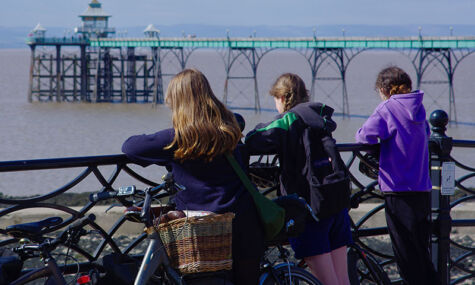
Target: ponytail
(290, 87)
(393, 80)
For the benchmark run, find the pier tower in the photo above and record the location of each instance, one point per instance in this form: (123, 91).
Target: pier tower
(95, 22)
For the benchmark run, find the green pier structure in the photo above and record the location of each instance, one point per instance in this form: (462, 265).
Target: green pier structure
(94, 66)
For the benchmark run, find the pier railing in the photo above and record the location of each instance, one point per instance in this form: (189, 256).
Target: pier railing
(452, 255)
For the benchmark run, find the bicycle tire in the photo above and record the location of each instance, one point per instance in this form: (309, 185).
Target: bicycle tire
(288, 275)
(364, 269)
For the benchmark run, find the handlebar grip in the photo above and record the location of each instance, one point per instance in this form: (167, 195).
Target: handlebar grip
(102, 196)
(146, 205)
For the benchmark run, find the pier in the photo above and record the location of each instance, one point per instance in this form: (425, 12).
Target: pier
(98, 67)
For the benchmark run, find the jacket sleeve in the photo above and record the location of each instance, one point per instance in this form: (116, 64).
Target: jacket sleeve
(373, 129)
(265, 138)
(149, 149)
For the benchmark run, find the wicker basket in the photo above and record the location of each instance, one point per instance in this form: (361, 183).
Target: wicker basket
(199, 244)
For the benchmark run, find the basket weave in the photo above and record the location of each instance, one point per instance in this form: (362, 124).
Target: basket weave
(199, 244)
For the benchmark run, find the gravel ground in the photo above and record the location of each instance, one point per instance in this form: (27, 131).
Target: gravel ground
(380, 244)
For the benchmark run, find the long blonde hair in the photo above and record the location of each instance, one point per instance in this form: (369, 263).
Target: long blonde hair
(204, 127)
(292, 88)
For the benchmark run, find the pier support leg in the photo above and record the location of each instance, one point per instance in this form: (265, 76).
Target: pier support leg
(157, 74)
(252, 57)
(84, 75)
(59, 90)
(32, 68)
(444, 58)
(131, 75)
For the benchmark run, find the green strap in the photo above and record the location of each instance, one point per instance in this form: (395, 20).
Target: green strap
(237, 168)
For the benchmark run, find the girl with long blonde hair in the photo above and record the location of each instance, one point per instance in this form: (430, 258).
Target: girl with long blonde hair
(204, 130)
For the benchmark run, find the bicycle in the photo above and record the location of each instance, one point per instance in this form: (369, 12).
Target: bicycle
(155, 266)
(362, 266)
(33, 244)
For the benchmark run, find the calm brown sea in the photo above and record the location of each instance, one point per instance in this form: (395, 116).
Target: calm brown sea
(51, 130)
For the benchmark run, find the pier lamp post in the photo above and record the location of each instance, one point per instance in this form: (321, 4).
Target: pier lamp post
(443, 185)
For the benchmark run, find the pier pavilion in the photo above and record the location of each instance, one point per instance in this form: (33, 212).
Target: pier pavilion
(111, 70)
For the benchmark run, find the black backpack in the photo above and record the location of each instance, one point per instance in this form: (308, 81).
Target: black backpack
(329, 184)
(325, 171)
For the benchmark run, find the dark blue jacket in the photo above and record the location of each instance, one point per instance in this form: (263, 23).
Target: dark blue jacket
(211, 186)
(284, 136)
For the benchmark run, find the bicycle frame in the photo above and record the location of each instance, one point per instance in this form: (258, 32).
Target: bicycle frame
(51, 269)
(154, 258)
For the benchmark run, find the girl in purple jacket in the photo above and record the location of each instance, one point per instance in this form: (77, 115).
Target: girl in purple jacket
(399, 125)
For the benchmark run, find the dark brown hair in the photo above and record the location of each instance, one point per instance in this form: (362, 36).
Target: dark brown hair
(393, 80)
(292, 88)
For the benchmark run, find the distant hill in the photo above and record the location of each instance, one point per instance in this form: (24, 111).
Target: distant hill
(14, 37)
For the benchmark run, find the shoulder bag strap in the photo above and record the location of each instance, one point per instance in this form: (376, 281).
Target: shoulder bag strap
(238, 169)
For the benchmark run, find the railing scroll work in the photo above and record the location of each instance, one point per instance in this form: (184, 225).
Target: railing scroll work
(453, 245)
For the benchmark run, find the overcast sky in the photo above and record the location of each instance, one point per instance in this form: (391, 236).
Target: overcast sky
(63, 13)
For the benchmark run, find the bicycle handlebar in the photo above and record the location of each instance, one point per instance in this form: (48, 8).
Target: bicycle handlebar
(102, 196)
(168, 185)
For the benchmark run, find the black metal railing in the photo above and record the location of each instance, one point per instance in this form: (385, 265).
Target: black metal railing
(452, 256)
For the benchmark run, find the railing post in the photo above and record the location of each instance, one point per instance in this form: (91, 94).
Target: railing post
(440, 147)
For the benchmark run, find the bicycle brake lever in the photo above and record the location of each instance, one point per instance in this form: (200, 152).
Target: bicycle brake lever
(112, 206)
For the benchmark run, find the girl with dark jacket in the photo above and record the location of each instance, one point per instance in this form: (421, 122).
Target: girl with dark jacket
(323, 244)
(204, 130)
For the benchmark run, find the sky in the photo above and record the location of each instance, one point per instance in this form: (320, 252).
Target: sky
(310, 13)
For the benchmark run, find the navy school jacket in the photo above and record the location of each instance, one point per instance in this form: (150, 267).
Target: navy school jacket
(284, 136)
(211, 186)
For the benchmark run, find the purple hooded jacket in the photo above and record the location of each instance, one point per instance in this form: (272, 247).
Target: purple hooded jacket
(400, 125)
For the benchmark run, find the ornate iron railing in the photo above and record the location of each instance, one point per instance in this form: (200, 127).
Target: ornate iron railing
(452, 256)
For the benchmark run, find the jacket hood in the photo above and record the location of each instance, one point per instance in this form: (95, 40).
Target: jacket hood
(411, 104)
(315, 115)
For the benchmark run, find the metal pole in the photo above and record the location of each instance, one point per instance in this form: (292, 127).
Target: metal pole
(84, 77)
(131, 75)
(75, 63)
(450, 75)
(32, 68)
(314, 68)
(51, 78)
(58, 74)
(123, 87)
(257, 103)
(440, 147)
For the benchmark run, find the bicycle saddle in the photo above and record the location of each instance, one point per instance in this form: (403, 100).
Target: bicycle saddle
(33, 228)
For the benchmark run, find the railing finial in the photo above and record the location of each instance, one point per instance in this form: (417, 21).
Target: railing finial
(439, 120)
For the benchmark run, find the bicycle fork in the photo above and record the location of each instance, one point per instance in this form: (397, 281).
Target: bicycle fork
(154, 257)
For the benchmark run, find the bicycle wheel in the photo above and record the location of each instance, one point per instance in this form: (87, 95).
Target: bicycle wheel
(364, 269)
(286, 274)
